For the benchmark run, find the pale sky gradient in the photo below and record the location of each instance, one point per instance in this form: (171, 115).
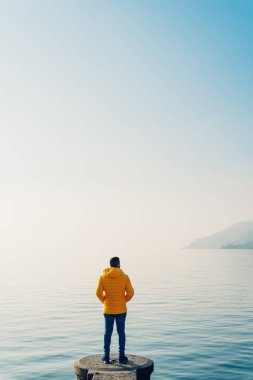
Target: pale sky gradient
(126, 126)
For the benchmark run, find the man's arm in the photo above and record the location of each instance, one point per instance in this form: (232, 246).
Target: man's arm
(100, 291)
(129, 290)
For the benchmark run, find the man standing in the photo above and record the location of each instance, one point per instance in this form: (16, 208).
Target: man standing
(114, 290)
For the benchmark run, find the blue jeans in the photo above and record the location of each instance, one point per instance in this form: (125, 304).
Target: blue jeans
(120, 323)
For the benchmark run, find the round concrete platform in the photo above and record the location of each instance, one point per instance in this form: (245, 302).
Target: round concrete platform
(91, 367)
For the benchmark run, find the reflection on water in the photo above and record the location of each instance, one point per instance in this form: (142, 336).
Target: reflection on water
(192, 314)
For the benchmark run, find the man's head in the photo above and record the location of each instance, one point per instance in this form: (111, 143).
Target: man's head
(115, 262)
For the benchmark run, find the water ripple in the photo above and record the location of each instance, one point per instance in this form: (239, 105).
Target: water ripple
(194, 319)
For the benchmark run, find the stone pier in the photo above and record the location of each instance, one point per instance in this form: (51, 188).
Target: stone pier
(91, 368)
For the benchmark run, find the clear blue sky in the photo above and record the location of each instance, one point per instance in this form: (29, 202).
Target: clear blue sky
(126, 126)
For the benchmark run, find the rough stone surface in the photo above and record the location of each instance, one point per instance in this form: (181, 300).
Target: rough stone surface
(115, 376)
(91, 368)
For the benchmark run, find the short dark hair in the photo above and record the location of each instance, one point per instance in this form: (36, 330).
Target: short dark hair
(114, 262)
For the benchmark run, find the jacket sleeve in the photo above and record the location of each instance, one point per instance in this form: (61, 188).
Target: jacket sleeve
(129, 290)
(100, 290)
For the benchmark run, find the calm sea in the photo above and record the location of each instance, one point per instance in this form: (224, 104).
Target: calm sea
(192, 314)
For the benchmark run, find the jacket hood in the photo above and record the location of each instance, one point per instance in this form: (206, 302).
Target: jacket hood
(112, 272)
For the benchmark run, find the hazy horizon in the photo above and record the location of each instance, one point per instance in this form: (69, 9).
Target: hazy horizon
(125, 126)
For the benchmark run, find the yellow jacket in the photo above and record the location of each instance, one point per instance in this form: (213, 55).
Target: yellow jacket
(114, 290)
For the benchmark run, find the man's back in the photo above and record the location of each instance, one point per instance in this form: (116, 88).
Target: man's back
(114, 290)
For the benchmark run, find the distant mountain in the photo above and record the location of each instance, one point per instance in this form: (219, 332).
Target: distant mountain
(235, 245)
(238, 236)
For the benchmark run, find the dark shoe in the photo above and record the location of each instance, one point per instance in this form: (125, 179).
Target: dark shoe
(105, 358)
(123, 359)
